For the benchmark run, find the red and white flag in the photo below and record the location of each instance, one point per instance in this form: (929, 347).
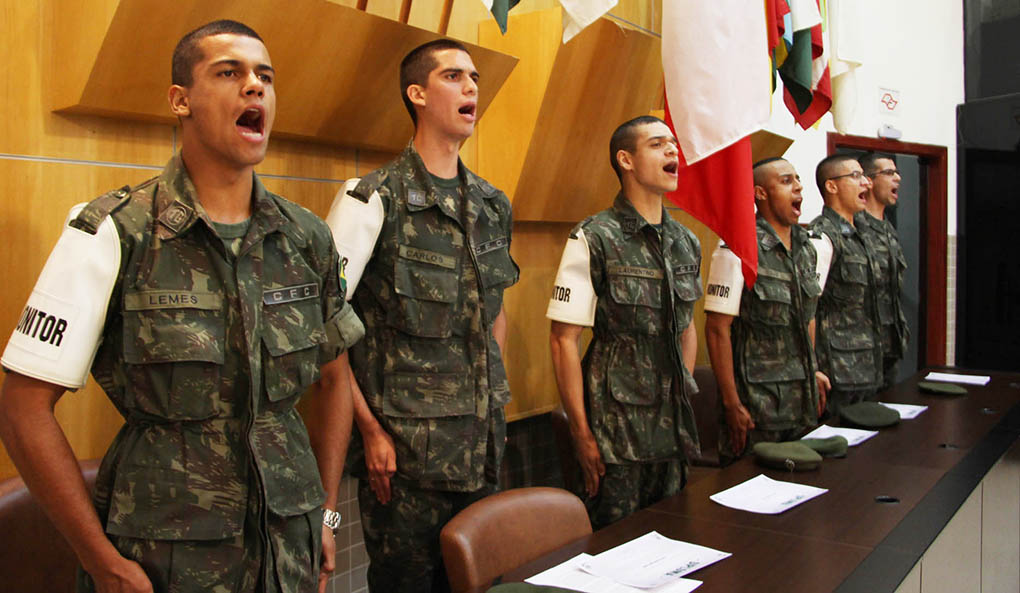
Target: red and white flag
(716, 64)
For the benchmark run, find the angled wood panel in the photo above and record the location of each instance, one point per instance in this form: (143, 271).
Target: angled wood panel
(337, 67)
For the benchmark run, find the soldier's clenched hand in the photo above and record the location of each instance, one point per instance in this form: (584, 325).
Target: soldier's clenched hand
(381, 461)
(823, 391)
(122, 576)
(739, 422)
(591, 462)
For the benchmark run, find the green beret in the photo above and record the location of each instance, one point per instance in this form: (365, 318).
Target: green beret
(791, 456)
(869, 415)
(527, 588)
(939, 388)
(834, 446)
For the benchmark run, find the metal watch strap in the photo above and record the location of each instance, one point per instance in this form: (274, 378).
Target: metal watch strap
(331, 519)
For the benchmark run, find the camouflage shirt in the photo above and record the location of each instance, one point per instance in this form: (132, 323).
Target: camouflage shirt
(881, 238)
(429, 367)
(205, 355)
(773, 360)
(848, 348)
(636, 386)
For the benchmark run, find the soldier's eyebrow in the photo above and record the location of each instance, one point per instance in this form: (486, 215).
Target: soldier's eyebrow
(237, 64)
(663, 137)
(474, 73)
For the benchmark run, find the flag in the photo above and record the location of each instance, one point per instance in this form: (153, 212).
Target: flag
(578, 14)
(717, 94)
(807, 89)
(847, 45)
(775, 13)
(499, 10)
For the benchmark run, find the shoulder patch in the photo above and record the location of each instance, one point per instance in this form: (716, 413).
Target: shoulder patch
(89, 219)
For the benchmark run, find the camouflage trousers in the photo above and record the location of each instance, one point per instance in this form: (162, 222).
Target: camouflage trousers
(890, 368)
(283, 559)
(629, 487)
(726, 453)
(402, 536)
(837, 398)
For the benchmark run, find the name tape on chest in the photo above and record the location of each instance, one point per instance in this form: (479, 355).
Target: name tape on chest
(427, 257)
(171, 299)
(635, 271)
(290, 294)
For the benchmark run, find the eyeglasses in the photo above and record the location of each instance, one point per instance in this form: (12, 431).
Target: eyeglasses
(856, 176)
(889, 172)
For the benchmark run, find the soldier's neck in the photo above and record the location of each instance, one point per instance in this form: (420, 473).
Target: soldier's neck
(875, 208)
(438, 152)
(646, 202)
(834, 206)
(224, 192)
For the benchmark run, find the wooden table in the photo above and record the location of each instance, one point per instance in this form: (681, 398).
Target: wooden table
(845, 540)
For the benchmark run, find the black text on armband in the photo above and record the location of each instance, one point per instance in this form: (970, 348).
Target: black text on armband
(42, 326)
(561, 293)
(719, 290)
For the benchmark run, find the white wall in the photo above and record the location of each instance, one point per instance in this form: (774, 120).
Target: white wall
(915, 47)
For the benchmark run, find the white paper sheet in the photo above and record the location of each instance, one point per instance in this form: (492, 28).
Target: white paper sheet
(651, 560)
(854, 436)
(570, 576)
(907, 411)
(951, 378)
(762, 494)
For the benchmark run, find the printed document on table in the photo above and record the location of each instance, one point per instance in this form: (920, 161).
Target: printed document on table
(570, 576)
(951, 378)
(762, 494)
(907, 411)
(853, 436)
(651, 560)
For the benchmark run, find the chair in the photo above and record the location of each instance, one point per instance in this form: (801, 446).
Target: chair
(573, 480)
(706, 415)
(508, 529)
(35, 556)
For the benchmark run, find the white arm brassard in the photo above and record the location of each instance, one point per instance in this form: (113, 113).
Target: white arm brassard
(356, 226)
(61, 327)
(725, 283)
(573, 299)
(823, 246)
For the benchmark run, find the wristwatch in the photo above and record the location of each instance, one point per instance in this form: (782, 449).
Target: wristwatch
(331, 519)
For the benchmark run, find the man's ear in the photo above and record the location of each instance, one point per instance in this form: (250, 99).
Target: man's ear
(759, 193)
(416, 93)
(178, 98)
(624, 159)
(831, 187)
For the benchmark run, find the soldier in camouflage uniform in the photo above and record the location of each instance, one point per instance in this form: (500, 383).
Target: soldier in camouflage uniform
(761, 339)
(427, 244)
(881, 238)
(849, 348)
(632, 273)
(204, 312)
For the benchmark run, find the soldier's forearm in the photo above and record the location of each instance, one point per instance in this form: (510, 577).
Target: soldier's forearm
(689, 347)
(567, 364)
(329, 424)
(363, 416)
(720, 353)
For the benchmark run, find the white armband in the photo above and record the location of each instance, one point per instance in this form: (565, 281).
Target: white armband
(725, 282)
(61, 327)
(823, 246)
(356, 226)
(573, 299)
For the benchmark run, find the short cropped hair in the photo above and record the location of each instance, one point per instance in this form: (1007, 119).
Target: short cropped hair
(868, 161)
(187, 53)
(826, 169)
(416, 66)
(624, 138)
(756, 168)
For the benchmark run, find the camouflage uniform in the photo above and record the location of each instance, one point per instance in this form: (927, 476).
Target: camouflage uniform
(881, 238)
(636, 386)
(211, 483)
(429, 366)
(848, 347)
(773, 360)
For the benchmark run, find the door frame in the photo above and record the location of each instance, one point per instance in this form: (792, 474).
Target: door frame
(934, 162)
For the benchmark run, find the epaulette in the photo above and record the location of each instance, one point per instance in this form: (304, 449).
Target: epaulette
(368, 185)
(97, 210)
(578, 226)
(813, 234)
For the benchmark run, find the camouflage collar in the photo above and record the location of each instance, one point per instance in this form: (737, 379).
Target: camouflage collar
(630, 220)
(769, 238)
(410, 160)
(177, 207)
(844, 227)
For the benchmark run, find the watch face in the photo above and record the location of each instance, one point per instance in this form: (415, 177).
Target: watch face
(331, 519)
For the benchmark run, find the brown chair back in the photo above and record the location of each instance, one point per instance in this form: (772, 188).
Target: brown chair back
(35, 557)
(706, 415)
(571, 469)
(508, 529)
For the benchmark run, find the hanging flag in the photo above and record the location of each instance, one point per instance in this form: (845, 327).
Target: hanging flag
(578, 14)
(717, 94)
(809, 101)
(847, 45)
(499, 10)
(775, 17)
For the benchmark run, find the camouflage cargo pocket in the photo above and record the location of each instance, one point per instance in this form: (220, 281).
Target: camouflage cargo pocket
(639, 303)
(289, 469)
(852, 356)
(174, 357)
(636, 375)
(774, 299)
(426, 296)
(687, 289)
(291, 333)
(431, 416)
(853, 271)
